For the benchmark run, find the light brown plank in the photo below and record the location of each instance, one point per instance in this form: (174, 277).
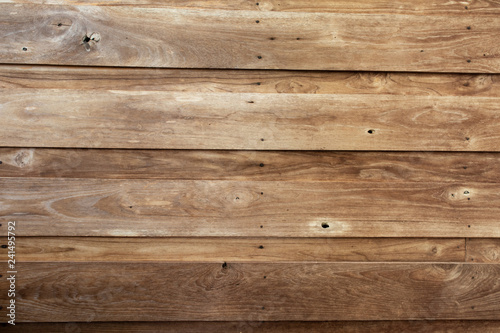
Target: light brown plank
(58, 292)
(135, 36)
(485, 250)
(421, 326)
(248, 81)
(97, 207)
(74, 249)
(250, 165)
(179, 120)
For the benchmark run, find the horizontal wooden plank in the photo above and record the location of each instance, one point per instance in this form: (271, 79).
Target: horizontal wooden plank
(97, 207)
(249, 39)
(74, 249)
(485, 250)
(417, 7)
(179, 120)
(436, 326)
(248, 81)
(250, 165)
(58, 292)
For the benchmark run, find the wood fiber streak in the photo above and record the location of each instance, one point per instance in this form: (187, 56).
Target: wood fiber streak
(248, 81)
(251, 165)
(248, 39)
(74, 249)
(96, 207)
(58, 292)
(417, 326)
(179, 120)
(485, 250)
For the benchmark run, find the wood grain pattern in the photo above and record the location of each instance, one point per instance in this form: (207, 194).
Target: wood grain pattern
(248, 81)
(75, 249)
(485, 250)
(417, 326)
(179, 120)
(58, 292)
(251, 165)
(135, 36)
(97, 207)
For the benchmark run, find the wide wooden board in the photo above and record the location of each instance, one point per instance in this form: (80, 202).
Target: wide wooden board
(100, 207)
(58, 292)
(248, 39)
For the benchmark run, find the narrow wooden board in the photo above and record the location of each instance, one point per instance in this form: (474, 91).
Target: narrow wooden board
(74, 249)
(422, 326)
(58, 292)
(251, 165)
(179, 120)
(416, 7)
(248, 39)
(97, 207)
(485, 250)
(248, 81)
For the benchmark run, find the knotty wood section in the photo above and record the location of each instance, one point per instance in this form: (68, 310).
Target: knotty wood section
(100, 207)
(483, 250)
(74, 249)
(55, 292)
(251, 165)
(153, 119)
(248, 39)
(421, 326)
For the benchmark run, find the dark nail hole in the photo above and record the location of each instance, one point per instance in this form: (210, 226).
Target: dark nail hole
(272, 38)
(472, 259)
(468, 28)
(259, 57)
(467, 138)
(1, 275)
(59, 24)
(4, 246)
(1, 307)
(262, 226)
(468, 60)
(261, 193)
(86, 39)
(224, 265)
(371, 131)
(263, 308)
(1, 162)
(466, 192)
(468, 198)
(472, 307)
(421, 50)
(261, 165)
(251, 102)
(465, 167)
(484, 55)
(258, 83)
(261, 247)
(466, 84)
(265, 277)
(468, 226)
(257, 3)
(452, 195)
(129, 206)
(0, 224)
(262, 139)
(237, 198)
(325, 225)
(298, 38)
(466, 7)
(25, 49)
(257, 21)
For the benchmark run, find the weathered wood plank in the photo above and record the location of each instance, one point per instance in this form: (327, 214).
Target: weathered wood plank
(135, 36)
(248, 81)
(74, 249)
(485, 250)
(58, 292)
(435, 326)
(416, 7)
(180, 120)
(97, 207)
(251, 165)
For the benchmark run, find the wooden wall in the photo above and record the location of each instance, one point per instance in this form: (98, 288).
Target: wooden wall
(242, 166)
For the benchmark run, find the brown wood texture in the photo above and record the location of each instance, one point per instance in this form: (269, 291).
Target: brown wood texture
(485, 250)
(251, 165)
(243, 39)
(420, 326)
(58, 292)
(96, 207)
(75, 249)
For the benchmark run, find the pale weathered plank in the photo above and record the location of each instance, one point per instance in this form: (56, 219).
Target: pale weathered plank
(180, 120)
(250, 165)
(97, 207)
(418, 326)
(485, 250)
(54, 292)
(248, 81)
(193, 38)
(74, 249)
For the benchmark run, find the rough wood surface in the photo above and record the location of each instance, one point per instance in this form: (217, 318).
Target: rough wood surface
(74, 249)
(251, 165)
(485, 250)
(248, 81)
(180, 120)
(135, 36)
(97, 207)
(420, 326)
(58, 292)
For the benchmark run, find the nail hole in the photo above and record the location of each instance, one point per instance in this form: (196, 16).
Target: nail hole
(452, 195)
(466, 7)
(325, 225)
(59, 24)
(86, 39)
(272, 38)
(129, 206)
(468, 226)
(468, 60)
(224, 265)
(261, 226)
(371, 131)
(467, 138)
(258, 83)
(421, 50)
(1, 162)
(257, 3)
(257, 21)
(472, 307)
(468, 28)
(265, 277)
(466, 192)
(25, 49)
(4, 246)
(262, 139)
(251, 102)
(259, 57)
(468, 198)
(261, 165)
(298, 38)
(465, 167)
(237, 198)
(263, 308)
(261, 247)
(261, 193)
